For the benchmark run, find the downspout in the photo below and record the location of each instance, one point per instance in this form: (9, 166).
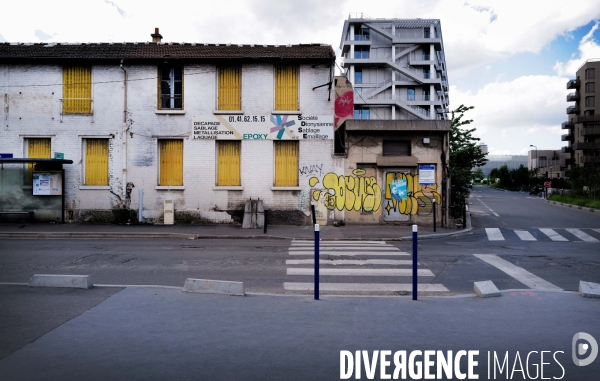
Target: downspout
(124, 130)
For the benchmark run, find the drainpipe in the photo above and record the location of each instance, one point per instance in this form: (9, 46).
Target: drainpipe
(124, 130)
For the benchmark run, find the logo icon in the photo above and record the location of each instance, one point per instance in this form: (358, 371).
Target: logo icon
(584, 348)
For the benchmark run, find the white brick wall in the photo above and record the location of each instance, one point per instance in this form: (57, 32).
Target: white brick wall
(31, 106)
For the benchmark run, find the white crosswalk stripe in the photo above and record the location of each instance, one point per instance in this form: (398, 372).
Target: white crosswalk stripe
(365, 264)
(554, 234)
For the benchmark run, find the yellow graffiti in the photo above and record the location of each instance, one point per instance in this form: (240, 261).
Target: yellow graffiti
(349, 192)
(419, 200)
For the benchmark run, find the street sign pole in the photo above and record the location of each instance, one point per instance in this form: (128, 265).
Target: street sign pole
(316, 261)
(414, 262)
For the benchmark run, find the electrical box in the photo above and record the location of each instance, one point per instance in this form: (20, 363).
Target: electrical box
(169, 216)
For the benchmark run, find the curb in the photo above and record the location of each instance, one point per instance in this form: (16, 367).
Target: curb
(573, 206)
(443, 235)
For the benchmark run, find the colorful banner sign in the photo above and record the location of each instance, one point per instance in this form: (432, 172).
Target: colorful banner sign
(262, 127)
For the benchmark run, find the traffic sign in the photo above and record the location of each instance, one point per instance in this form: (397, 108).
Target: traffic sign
(548, 184)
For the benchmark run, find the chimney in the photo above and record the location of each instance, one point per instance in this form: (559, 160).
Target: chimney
(156, 37)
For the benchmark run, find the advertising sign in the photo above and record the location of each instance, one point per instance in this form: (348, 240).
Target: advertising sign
(427, 174)
(398, 189)
(47, 183)
(262, 127)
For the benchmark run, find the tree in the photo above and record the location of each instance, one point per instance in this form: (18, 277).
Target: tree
(465, 154)
(478, 174)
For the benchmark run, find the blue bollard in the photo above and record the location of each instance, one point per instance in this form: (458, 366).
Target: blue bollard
(316, 261)
(414, 275)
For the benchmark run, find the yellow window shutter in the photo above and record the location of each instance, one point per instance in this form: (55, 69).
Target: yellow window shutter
(286, 163)
(36, 149)
(286, 87)
(96, 162)
(229, 91)
(171, 162)
(77, 90)
(228, 172)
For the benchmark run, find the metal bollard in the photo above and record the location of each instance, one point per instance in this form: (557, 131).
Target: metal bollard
(265, 222)
(434, 222)
(414, 272)
(316, 261)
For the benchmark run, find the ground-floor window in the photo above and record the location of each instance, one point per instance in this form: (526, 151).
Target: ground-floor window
(170, 162)
(95, 162)
(286, 163)
(228, 163)
(37, 148)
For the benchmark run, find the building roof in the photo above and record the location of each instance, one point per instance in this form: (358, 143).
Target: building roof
(162, 50)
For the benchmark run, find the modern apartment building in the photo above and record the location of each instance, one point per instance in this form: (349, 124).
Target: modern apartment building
(583, 123)
(397, 68)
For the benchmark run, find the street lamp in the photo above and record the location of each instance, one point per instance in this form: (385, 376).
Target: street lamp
(536, 161)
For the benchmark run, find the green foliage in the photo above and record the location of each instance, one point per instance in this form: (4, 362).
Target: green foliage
(585, 202)
(478, 174)
(584, 181)
(464, 156)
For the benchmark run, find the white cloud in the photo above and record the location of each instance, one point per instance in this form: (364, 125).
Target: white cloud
(513, 114)
(588, 48)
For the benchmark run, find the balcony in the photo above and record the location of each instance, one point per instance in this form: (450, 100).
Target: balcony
(566, 150)
(566, 162)
(573, 84)
(567, 125)
(572, 97)
(590, 159)
(573, 109)
(586, 146)
(567, 138)
(586, 118)
(591, 131)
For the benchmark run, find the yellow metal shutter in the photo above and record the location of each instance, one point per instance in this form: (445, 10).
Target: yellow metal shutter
(229, 163)
(230, 86)
(77, 90)
(96, 162)
(286, 88)
(36, 149)
(171, 162)
(286, 163)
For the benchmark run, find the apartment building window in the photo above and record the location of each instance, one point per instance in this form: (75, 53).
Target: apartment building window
(396, 148)
(590, 101)
(426, 73)
(228, 162)
(425, 56)
(95, 162)
(170, 88)
(426, 95)
(286, 163)
(286, 87)
(590, 73)
(427, 32)
(361, 52)
(229, 88)
(362, 34)
(410, 92)
(170, 162)
(358, 76)
(590, 87)
(77, 90)
(37, 148)
(362, 114)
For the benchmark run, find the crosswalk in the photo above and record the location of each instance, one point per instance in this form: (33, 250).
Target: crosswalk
(367, 261)
(545, 234)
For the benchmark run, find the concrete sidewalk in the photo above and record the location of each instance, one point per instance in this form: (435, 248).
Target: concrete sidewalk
(219, 231)
(166, 334)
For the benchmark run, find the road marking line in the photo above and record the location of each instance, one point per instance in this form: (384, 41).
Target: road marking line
(341, 242)
(490, 209)
(528, 279)
(525, 235)
(582, 236)
(359, 262)
(372, 287)
(349, 253)
(494, 234)
(391, 248)
(359, 272)
(553, 235)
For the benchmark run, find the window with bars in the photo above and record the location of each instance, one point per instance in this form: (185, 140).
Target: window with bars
(170, 162)
(286, 88)
(170, 88)
(77, 90)
(228, 163)
(286, 163)
(229, 89)
(37, 148)
(96, 162)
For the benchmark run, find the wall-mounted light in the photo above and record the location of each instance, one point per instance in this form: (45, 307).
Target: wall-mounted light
(426, 141)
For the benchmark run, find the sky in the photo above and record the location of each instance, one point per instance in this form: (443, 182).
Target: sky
(510, 59)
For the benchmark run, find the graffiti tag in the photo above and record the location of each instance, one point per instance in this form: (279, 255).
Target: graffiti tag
(349, 192)
(314, 170)
(417, 200)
